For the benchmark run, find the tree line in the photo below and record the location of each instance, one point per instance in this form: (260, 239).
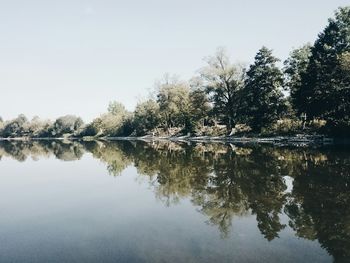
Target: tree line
(310, 93)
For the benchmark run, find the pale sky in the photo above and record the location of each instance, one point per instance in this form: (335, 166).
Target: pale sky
(74, 56)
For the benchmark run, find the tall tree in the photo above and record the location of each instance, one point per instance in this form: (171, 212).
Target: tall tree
(262, 95)
(223, 80)
(294, 68)
(325, 85)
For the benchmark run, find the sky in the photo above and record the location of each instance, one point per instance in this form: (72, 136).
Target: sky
(75, 56)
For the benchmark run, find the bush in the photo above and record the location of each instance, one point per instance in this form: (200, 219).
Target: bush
(316, 125)
(241, 128)
(285, 126)
(216, 130)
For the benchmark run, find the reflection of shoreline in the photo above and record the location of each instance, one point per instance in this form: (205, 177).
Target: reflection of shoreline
(228, 180)
(301, 141)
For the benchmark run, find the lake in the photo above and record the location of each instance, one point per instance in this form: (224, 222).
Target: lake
(129, 201)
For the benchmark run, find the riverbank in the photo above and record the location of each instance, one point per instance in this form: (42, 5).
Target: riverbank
(297, 140)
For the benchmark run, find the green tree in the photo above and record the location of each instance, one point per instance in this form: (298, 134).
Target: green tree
(199, 109)
(223, 81)
(117, 108)
(294, 68)
(325, 85)
(68, 124)
(174, 101)
(116, 122)
(263, 101)
(146, 116)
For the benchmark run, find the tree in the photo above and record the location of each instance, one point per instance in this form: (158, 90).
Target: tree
(37, 127)
(223, 81)
(15, 127)
(117, 108)
(147, 116)
(263, 100)
(1, 126)
(294, 68)
(345, 64)
(116, 122)
(325, 84)
(68, 124)
(173, 100)
(199, 109)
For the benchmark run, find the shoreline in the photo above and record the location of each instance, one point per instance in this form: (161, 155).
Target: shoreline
(297, 140)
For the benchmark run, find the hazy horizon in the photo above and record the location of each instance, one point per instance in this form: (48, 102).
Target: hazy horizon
(61, 58)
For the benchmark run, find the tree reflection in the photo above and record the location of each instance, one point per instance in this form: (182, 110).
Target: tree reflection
(319, 204)
(227, 181)
(21, 150)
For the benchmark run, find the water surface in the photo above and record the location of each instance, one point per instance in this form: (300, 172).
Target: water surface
(173, 202)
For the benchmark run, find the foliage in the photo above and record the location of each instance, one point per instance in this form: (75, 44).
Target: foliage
(241, 128)
(174, 99)
(263, 101)
(223, 81)
(68, 124)
(284, 127)
(214, 130)
(199, 109)
(37, 127)
(115, 122)
(147, 116)
(325, 84)
(116, 108)
(294, 68)
(14, 128)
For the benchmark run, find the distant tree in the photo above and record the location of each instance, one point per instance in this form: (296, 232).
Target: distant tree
(147, 116)
(325, 84)
(15, 127)
(173, 100)
(223, 81)
(37, 127)
(199, 109)
(117, 108)
(114, 123)
(294, 68)
(88, 130)
(262, 96)
(1, 127)
(68, 124)
(107, 124)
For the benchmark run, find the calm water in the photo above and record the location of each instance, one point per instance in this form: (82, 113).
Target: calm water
(166, 202)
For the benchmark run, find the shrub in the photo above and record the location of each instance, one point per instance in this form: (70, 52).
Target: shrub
(285, 126)
(242, 128)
